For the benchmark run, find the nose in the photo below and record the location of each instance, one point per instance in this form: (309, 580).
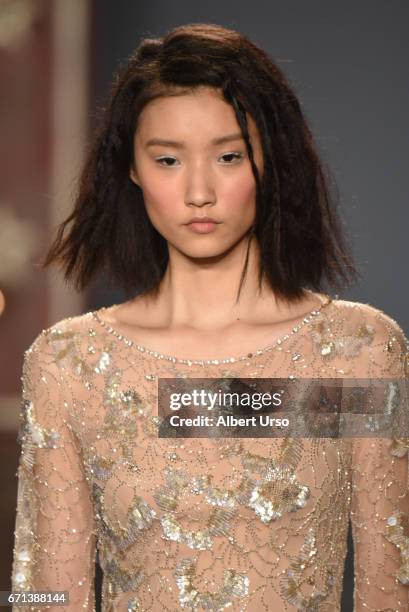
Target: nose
(199, 187)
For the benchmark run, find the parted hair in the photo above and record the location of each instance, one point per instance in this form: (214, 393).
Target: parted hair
(297, 225)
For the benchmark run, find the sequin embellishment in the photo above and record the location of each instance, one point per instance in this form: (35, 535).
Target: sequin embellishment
(167, 496)
(396, 526)
(235, 584)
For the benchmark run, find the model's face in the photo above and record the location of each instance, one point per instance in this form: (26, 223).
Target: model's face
(191, 160)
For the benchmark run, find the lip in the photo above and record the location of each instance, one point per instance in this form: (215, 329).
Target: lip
(202, 227)
(202, 220)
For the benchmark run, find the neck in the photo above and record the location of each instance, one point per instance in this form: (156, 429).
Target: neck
(202, 293)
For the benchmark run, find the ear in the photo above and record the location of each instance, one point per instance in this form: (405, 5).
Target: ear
(133, 175)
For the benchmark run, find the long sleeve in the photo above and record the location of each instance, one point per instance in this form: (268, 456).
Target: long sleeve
(380, 497)
(54, 534)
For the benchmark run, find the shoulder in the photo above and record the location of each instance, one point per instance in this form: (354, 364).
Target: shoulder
(54, 342)
(383, 337)
(358, 313)
(44, 379)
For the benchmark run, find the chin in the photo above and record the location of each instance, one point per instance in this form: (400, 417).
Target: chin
(209, 251)
(203, 253)
(207, 245)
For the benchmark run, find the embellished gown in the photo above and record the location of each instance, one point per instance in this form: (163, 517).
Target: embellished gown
(206, 524)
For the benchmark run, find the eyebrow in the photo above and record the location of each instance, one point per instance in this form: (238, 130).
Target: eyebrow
(180, 145)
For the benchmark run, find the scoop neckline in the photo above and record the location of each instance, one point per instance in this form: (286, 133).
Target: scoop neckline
(303, 323)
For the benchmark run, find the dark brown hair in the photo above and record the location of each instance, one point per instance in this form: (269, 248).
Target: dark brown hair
(297, 226)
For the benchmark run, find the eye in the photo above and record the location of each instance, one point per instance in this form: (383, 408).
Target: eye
(232, 157)
(166, 158)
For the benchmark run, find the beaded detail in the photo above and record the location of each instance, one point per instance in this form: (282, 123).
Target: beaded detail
(245, 524)
(227, 360)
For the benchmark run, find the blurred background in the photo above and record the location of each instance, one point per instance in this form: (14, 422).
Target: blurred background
(346, 61)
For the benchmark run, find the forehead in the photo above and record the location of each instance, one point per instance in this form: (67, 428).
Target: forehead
(202, 114)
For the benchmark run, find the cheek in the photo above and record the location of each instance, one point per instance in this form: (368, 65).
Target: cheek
(160, 196)
(239, 195)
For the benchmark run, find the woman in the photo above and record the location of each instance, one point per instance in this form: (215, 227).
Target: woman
(205, 197)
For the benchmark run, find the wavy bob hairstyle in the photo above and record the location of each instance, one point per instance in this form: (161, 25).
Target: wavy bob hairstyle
(296, 224)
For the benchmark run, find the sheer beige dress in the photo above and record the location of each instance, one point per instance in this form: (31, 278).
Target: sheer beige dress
(202, 524)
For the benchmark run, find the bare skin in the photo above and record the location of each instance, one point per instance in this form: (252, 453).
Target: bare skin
(195, 315)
